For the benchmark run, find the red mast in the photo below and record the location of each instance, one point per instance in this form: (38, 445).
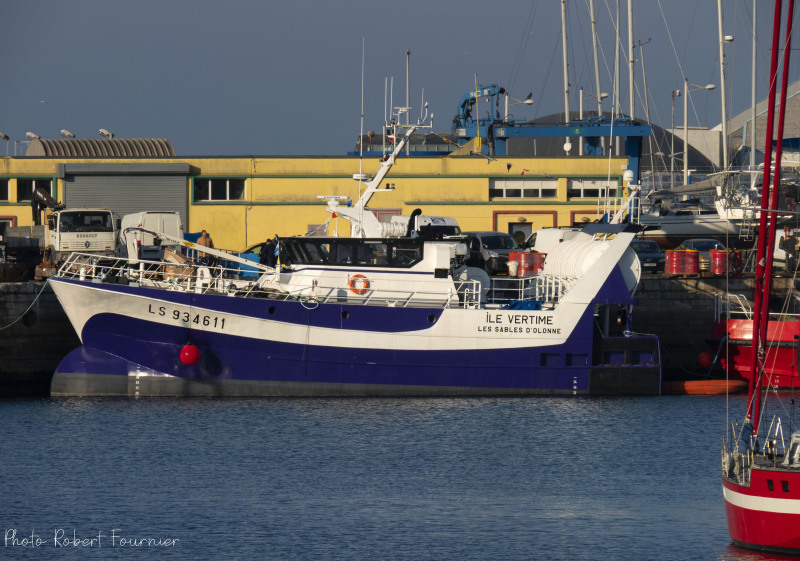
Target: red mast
(769, 218)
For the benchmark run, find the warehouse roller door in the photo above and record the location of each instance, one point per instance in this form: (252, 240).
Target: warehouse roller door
(127, 189)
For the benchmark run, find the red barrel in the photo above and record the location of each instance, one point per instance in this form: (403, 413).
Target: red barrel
(691, 262)
(525, 263)
(719, 261)
(674, 261)
(530, 263)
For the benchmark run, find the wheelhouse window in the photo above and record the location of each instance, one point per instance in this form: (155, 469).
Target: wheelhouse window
(218, 189)
(3, 189)
(523, 189)
(400, 253)
(26, 186)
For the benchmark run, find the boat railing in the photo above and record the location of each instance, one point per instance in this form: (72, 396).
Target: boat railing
(545, 289)
(219, 279)
(530, 291)
(396, 298)
(184, 276)
(737, 464)
(620, 209)
(736, 305)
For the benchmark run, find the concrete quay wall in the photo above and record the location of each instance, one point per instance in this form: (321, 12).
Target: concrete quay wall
(32, 342)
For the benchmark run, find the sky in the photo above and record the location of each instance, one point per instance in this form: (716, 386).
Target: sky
(256, 77)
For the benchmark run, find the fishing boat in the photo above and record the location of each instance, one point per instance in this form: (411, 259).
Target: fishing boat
(389, 311)
(733, 333)
(760, 474)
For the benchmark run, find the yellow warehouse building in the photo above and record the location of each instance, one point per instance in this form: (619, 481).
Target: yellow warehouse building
(243, 200)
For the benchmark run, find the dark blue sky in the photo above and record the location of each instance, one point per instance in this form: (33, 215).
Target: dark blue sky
(247, 77)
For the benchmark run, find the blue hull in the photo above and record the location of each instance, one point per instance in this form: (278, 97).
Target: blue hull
(139, 357)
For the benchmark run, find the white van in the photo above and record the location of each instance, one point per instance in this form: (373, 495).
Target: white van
(545, 239)
(160, 221)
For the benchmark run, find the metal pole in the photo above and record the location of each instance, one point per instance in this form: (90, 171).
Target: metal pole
(580, 116)
(685, 131)
(408, 95)
(672, 142)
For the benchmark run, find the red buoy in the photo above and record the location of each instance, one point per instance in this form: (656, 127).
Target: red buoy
(190, 355)
(704, 360)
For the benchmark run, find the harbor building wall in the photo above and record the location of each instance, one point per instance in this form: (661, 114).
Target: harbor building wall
(243, 200)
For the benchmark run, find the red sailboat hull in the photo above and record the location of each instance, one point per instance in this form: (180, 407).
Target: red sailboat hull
(764, 519)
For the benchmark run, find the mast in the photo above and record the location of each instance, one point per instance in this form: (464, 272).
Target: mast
(596, 65)
(566, 66)
(763, 252)
(722, 40)
(630, 57)
(753, 98)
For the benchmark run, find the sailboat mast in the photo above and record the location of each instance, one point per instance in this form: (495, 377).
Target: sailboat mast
(753, 98)
(759, 305)
(596, 65)
(776, 175)
(566, 65)
(722, 40)
(630, 58)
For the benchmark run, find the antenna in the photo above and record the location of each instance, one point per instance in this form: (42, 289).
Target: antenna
(361, 130)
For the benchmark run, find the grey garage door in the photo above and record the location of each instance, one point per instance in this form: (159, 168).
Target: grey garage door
(126, 189)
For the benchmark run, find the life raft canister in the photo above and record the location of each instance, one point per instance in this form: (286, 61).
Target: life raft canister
(358, 284)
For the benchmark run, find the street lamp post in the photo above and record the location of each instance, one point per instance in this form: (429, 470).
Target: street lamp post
(526, 101)
(686, 92)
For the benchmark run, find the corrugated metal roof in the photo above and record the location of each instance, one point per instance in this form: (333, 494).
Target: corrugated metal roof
(100, 148)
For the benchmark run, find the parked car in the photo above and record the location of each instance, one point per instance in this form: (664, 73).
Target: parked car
(704, 247)
(489, 251)
(252, 253)
(650, 254)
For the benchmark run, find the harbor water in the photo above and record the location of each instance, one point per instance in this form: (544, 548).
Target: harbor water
(373, 479)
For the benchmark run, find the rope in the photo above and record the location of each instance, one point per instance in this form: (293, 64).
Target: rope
(29, 307)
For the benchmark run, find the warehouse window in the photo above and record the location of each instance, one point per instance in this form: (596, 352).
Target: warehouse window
(25, 187)
(591, 189)
(219, 189)
(3, 189)
(523, 189)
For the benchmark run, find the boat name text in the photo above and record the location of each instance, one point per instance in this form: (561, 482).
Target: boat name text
(187, 317)
(513, 323)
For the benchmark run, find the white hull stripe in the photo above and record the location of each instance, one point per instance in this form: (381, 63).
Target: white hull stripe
(763, 504)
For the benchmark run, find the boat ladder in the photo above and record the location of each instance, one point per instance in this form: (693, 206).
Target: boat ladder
(747, 229)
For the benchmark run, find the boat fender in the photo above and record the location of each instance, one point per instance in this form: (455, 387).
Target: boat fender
(358, 284)
(190, 355)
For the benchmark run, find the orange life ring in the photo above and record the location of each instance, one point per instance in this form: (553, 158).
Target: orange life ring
(359, 284)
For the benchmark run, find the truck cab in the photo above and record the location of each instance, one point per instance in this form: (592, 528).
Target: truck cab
(85, 230)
